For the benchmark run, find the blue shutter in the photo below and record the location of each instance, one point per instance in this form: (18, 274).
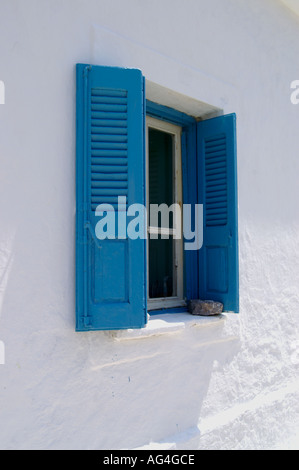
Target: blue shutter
(218, 258)
(111, 273)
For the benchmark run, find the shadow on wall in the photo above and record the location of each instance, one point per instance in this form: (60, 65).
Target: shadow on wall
(159, 386)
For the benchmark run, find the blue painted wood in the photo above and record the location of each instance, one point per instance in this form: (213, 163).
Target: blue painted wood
(190, 196)
(165, 113)
(172, 311)
(110, 274)
(217, 176)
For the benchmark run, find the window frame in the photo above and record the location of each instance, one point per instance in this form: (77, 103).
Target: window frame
(175, 131)
(189, 195)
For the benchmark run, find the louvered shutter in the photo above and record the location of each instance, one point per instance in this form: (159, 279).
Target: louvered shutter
(218, 258)
(111, 279)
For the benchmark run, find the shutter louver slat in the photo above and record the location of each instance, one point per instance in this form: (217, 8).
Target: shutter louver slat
(109, 136)
(216, 177)
(115, 123)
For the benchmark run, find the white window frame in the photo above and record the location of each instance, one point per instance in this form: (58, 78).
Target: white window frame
(176, 132)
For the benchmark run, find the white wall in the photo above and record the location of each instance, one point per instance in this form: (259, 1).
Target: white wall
(229, 384)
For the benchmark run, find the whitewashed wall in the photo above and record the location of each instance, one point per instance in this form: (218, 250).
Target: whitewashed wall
(231, 384)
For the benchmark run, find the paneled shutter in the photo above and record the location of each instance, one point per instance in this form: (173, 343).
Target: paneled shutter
(218, 258)
(111, 272)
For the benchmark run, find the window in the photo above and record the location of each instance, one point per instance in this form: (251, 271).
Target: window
(125, 145)
(164, 190)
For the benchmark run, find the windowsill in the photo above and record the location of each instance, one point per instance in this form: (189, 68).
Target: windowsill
(170, 324)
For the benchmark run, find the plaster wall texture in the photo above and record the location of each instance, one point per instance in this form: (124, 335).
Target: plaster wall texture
(229, 384)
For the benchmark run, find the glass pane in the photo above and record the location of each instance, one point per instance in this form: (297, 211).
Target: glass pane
(161, 170)
(161, 268)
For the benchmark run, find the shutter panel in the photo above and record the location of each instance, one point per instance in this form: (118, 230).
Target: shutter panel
(218, 258)
(111, 279)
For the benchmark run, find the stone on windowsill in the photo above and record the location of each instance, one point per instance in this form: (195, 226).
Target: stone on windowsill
(205, 307)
